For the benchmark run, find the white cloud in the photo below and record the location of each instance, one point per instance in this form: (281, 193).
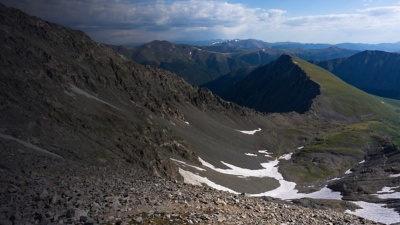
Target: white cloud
(122, 21)
(382, 11)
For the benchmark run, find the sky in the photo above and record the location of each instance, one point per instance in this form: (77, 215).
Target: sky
(306, 21)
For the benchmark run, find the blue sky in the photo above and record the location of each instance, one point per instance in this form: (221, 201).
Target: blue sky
(307, 21)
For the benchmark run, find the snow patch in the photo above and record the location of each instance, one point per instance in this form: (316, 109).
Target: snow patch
(250, 154)
(362, 162)
(388, 193)
(286, 156)
(301, 147)
(286, 189)
(187, 122)
(29, 145)
(269, 170)
(336, 178)
(81, 92)
(251, 132)
(184, 163)
(387, 190)
(394, 175)
(265, 152)
(191, 178)
(348, 171)
(375, 212)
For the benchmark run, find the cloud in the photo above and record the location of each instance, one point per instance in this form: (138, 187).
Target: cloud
(382, 11)
(123, 21)
(214, 17)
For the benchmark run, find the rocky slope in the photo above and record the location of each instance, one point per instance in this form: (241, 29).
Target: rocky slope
(64, 92)
(375, 72)
(38, 188)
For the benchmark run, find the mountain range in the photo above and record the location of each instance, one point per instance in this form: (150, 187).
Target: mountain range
(253, 44)
(69, 100)
(375, 72)
(201, 64)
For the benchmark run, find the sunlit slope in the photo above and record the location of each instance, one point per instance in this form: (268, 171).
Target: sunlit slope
(343, 98)
(347, 125)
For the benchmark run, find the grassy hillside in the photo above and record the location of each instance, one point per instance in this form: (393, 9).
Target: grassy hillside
(348, 125)
(375, 72)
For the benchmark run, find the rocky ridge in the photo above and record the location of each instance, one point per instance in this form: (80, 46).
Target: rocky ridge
(38, 188)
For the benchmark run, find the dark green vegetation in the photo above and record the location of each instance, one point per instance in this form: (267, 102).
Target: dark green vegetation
(84, 102)
(199, 65)
(375, 72)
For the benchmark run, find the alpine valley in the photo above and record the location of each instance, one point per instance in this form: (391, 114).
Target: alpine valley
(88, 135)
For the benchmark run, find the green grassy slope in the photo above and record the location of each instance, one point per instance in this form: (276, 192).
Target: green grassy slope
(347, 125)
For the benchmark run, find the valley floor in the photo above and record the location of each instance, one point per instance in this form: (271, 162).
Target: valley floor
(40, 188)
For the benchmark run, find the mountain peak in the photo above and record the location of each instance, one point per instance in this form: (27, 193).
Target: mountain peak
(280, 86)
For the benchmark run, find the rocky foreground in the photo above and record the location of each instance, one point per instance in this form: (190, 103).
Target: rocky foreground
(39, 188)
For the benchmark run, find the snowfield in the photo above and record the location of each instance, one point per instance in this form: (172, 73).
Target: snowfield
(287, 190)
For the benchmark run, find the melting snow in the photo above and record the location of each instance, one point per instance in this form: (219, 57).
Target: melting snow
(394, 175)
(187, 122)
(286, 189)
(250, 132)
(181, 162)
(286, 156)
(387, 190)
(301, 147)
(336, 178)
(191, 178)
(250, 154)
(388, 193)
(265, 152)
(348, 171)
(375, 212)
(362, 162)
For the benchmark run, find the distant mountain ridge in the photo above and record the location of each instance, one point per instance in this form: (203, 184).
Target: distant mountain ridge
(200, 65)
(252, 44)
(195, 65)
(375, 72)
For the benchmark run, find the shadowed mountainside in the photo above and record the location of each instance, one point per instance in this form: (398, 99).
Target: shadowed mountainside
(219, 85)
(280, 86)
(375, 72)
